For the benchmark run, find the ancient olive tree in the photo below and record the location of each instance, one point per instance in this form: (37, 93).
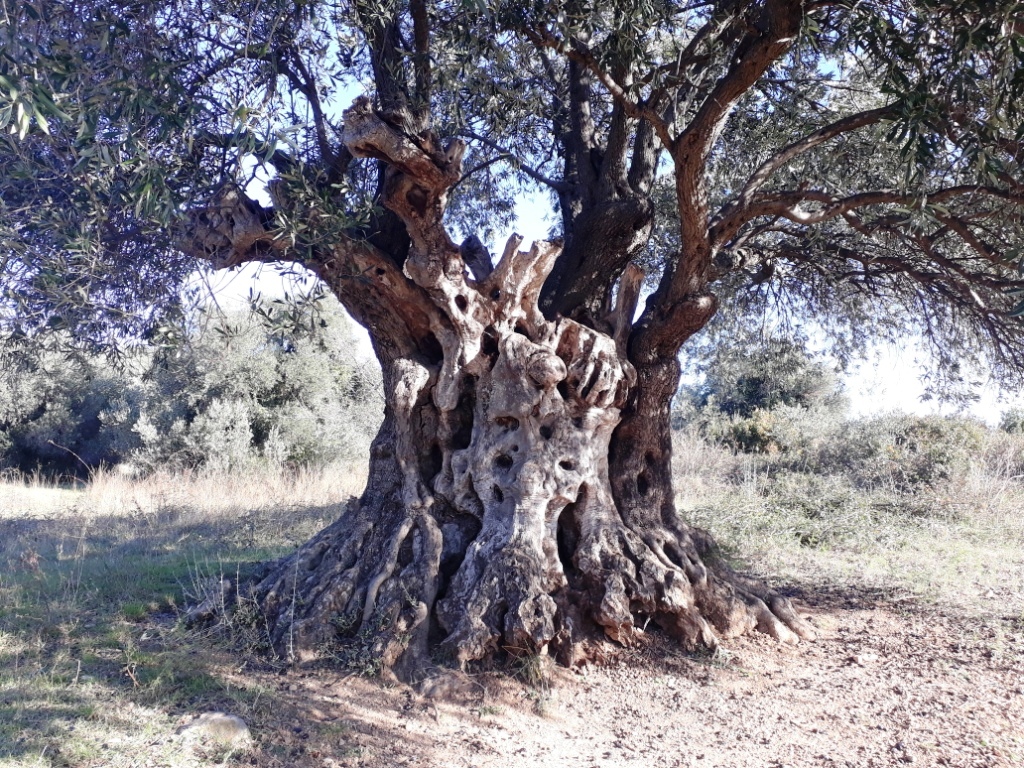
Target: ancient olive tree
(857, 164)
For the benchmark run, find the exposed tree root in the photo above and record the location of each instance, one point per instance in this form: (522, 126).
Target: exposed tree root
(371, 576)
(377, 583)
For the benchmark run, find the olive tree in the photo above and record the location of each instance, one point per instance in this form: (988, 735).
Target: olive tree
(857, 163)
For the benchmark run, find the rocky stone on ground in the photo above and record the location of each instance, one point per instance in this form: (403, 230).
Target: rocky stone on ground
(220, 728)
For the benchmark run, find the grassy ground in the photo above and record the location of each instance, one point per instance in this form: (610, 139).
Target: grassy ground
(96, 668)
(958, 543)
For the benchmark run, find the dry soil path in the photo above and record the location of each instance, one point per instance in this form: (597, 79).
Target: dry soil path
(885, 685)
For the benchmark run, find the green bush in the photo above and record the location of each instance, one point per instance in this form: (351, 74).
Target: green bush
(252, 389)
(64, 413)
(1012, 421)
(279, 386)
(897, 451)
(756, 433)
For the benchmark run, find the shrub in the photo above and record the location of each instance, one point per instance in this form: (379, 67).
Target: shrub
(898, 451)
(895, 451)
(273, 386)
(253, 389)
(1012, 421)
(64, 414)
(755, 433)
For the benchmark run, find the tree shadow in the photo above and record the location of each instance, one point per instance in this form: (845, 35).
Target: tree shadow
(89, 622)
(847, 597)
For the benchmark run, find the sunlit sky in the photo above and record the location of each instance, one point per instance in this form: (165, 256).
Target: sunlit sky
(890, 380)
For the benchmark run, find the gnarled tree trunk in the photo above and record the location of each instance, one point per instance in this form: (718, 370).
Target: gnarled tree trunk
(519, 495)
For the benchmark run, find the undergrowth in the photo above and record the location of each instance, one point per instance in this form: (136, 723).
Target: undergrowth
(924, 507)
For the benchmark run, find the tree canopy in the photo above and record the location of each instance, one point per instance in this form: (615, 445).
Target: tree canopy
(854, 162)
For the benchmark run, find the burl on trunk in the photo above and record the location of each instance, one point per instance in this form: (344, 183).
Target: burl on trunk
(490, 521)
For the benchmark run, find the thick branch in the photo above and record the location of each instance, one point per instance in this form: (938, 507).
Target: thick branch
(581, 137)
(387, 57)
(421, 60)
(644, 163)
(771, 37)
(233, 230)
(367, 135)
(613, 166)
(607, 236)
(578, 52)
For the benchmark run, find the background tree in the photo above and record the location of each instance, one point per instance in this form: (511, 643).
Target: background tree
(279, 386)
(858, 163)
(744, 391)
(764, 374)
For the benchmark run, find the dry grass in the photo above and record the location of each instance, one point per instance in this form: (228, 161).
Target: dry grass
(95, 666)
(959, 544)
(110, 493)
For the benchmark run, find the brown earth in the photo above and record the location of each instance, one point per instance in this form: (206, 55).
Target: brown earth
(887, 684)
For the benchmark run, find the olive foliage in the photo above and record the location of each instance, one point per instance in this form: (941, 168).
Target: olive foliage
(858, 163)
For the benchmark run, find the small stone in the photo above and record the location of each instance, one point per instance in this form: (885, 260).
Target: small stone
(228, 730)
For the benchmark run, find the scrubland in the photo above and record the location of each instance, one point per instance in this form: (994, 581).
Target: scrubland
(902, 539)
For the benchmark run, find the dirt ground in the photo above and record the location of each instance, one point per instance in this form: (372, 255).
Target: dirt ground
(920, 658)
(887, 684)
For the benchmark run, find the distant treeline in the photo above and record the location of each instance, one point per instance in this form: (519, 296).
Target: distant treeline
(787, 406)
(280, 385)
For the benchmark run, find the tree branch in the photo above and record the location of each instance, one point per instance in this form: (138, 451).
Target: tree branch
(578, 52)
(387, 59)
(761, 176)
(417, 180)
(644, 163)
(303, 82)
(613, 166)
(421, 60)
(772, 35)
(787, 205)
(686, 284)
(558, 186)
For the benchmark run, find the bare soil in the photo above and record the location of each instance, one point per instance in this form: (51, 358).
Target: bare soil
(887, 684)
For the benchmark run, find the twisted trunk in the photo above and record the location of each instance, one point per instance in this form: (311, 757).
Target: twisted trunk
(519, 496)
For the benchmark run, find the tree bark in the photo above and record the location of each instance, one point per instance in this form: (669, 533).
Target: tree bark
(519, 496)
